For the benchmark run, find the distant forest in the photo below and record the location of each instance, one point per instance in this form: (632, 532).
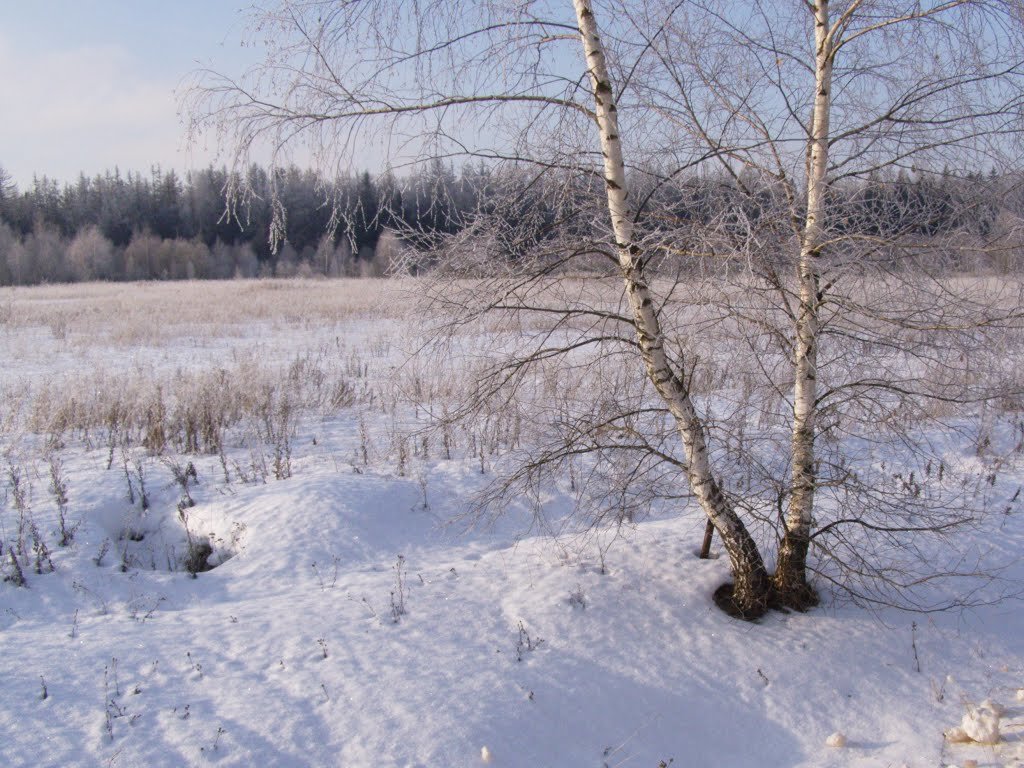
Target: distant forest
(163, 226)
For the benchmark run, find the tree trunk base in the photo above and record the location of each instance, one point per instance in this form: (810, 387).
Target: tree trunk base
(790, 590)
(794, 597)
(800, 597)
(747, 610)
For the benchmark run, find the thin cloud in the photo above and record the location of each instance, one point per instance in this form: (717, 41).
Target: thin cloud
(86, 109)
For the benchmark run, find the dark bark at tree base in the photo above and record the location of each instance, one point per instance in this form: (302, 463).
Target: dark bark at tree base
(748, 595)
(801, 599)
(785, 590)
(752, 591)
(789, 582)
(749, 610)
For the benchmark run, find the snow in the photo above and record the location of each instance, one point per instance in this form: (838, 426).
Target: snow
(349, 625)
(837, 740)
(993, 706)
(981, 725)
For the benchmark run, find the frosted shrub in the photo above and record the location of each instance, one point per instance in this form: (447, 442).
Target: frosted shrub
(275, 423)
(59, 489)
(16, 576)
(192, 412)
(398, 594)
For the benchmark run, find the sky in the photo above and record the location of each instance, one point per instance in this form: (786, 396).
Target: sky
(91, 84)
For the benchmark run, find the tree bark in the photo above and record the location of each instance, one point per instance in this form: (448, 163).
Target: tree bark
(790, 578)
(750, 591)
(705, 547)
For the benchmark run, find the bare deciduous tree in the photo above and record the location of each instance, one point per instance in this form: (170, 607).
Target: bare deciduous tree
(812, 102)
(710, 158)
(90, 254)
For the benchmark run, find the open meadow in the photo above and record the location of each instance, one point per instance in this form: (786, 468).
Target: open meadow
(238, 527)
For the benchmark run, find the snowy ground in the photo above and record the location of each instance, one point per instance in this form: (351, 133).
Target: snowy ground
(347, 626)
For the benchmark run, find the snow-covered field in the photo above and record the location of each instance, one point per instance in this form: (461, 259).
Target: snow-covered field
(346, 624)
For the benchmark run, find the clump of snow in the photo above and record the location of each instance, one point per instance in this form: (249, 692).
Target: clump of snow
(837, 740)
(981, 725)
(485, 754)
(956, 735)
(1020, 694)
(993, 706)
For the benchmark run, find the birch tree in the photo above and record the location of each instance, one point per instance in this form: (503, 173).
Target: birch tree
(608, 129)
(750, 587)
(815, 98)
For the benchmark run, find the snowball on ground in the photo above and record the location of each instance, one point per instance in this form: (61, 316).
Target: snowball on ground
(837, 739)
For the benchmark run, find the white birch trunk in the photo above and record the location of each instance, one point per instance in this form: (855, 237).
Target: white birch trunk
(751, 584)
(790, 575)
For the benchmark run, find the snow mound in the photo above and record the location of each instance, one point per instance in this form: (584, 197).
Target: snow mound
(981, 725)
(993, 706)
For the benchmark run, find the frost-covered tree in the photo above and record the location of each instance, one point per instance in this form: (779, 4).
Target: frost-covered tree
(600, 123)
(8, 189)
(812, 108)
(42, 257)
(10, 247)
(90, 255)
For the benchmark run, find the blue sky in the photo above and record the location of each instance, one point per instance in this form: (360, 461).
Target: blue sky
(90, 84)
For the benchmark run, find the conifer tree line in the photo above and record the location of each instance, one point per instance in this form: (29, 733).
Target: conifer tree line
(164, 226)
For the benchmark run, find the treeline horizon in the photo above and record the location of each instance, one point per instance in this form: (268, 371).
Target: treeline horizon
(164, 226)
